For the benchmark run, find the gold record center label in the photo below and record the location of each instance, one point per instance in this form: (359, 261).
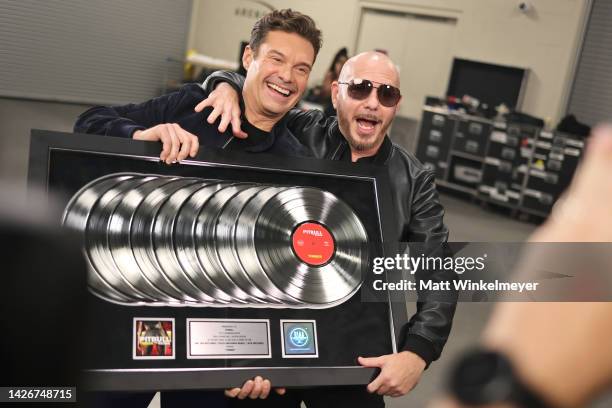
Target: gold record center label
(313, 244)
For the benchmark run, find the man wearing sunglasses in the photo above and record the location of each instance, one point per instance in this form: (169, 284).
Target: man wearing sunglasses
(366, 97)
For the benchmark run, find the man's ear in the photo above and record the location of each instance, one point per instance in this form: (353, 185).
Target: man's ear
(247, 57)
(334, 93)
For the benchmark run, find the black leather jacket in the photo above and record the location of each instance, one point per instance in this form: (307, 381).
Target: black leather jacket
(418, 211)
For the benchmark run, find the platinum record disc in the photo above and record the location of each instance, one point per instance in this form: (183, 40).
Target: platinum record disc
(223, 235)
(120, 231)
(76, 216)
(309, 243)
(141, 238)
(173, 245)
(204, 240)
(97, 244)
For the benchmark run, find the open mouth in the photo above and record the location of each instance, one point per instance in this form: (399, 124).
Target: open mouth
(367, 123)
(279, 89)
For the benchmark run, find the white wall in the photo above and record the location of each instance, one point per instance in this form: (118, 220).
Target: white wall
(544, 40)
(215, 19)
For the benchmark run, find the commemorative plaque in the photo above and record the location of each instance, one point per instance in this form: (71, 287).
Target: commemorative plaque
(207, 273)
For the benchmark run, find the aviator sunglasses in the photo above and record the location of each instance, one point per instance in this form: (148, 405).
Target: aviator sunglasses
(360, 89)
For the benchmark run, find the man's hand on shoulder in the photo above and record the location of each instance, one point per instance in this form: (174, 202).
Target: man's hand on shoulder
(177, 143)
(399, 373)
(255, 388)
(224, 101)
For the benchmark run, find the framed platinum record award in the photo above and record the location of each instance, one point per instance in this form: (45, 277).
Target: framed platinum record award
(208, 272)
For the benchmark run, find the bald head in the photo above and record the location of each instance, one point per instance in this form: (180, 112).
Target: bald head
(365, 64)
(362, 119)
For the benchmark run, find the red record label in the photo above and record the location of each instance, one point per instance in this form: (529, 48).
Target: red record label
(313, 243)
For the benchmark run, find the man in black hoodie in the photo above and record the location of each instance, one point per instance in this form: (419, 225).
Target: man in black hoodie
(278, 61)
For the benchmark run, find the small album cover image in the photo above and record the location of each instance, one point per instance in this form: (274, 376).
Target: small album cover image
(153, 338)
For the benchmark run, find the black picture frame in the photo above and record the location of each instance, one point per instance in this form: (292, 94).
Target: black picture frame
(47, 148)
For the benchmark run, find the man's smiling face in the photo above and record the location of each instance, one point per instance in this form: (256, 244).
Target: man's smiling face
(364, 123)
(277, 73)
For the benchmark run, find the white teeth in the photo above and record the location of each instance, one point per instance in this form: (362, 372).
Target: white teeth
(284, 91)
(365, 124)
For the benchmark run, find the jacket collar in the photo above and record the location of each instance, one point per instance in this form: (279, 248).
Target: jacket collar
(383, 154)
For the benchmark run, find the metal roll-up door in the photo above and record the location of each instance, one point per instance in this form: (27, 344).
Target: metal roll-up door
(591, 96)
(94, 51)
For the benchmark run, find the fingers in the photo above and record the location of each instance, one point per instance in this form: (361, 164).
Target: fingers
(265, 390)
(385, 385)
(228, 115)
(399, 373)
(206, 102)
(383, 389)
(372, 361)
(185, 141)
(392, 387)
(225, 120)
(257, 388)
(214, 114)
(176, 145)
(166, 141)
(231, 115)
(225, 103)
(236, 123)
(232, 393)
(195, 145)
(170, 143)
(375, 385)
(246, 389)
(189, 143)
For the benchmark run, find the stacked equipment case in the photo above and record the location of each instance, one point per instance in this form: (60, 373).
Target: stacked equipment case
(515, 165)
